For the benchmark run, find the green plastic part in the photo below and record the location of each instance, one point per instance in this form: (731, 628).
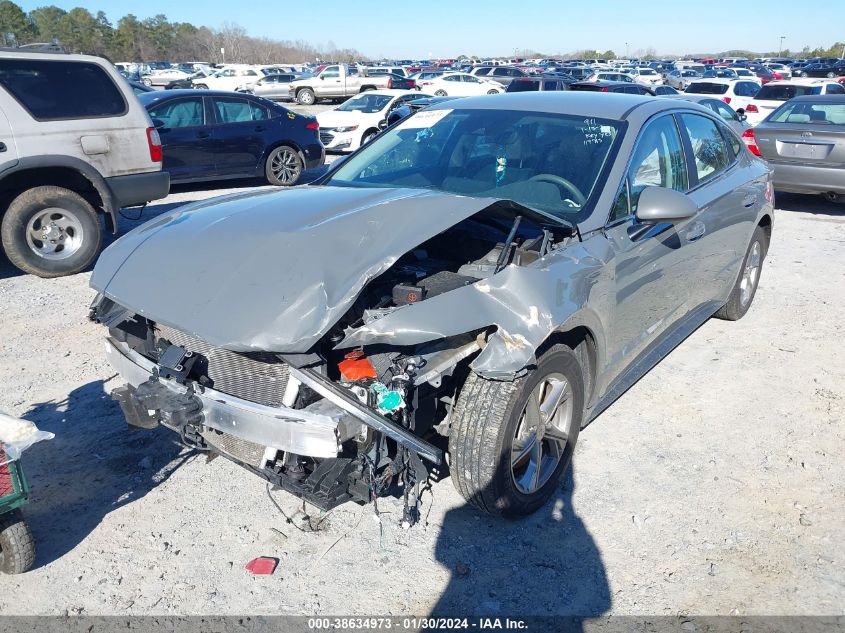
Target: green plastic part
(387, 400)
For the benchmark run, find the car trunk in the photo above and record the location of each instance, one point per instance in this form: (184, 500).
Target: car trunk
(790, 143)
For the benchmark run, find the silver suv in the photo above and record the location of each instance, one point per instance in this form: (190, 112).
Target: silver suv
(74, 143)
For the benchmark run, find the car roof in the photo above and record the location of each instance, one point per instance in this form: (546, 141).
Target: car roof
(390, 92)
(149, 97)
(820, 98)
(587, 104)
(716, 80)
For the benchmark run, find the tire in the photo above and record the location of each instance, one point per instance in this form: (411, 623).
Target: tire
(147, 82)
(440, 93)
(831, 75)
(72, 220)
(835, 198)
(746, 284)
(306, 97)
(200, 86)
(485, 421)
(369, 135)
(492, 92)
(17, 547)
(284, 166)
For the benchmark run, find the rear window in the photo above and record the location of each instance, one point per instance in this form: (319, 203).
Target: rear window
(808, 112)
(57, 90)
(785, 93)
(706, 88)
(524, 86)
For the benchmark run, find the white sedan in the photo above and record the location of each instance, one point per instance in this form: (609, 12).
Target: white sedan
(356, 121)
(163, 77)
(460, 85)
(646, 76)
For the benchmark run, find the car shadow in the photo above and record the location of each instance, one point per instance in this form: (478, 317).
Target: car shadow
(546, 564)
(808, 203)
(93, 466)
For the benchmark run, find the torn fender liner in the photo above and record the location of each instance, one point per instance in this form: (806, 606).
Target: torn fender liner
(271, 271)
(526, 304)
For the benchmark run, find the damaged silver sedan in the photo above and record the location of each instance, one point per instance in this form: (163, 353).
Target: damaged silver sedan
(477, 283)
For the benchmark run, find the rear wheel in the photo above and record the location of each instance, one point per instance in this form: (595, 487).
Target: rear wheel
(200, 86)
(492, 92)
(284, 166)
(510, 442)
(17, 547)
(836, 198)
(440, 93)
(146, 81)
(749, 278)
(369, 135)
(831, 75)
(50, 232)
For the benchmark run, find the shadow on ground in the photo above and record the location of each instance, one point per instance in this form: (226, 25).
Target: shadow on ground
(93, 466)
(804, 203)
(488, 558)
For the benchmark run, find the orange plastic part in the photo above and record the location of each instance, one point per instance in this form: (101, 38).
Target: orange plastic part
(356, 367)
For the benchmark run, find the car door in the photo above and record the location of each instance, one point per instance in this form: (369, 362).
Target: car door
(454, 86)
(329, 83)
(651, 262)
(728, 205)
(185, 133)
(238, 132)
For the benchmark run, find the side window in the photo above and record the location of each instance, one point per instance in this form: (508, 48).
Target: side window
(331, 72)
(181, 113)
(549, 85)
(708, 146)
(259, 112)
(452, 78)
(481, 72)
(230, 110)
(733, 141)
(54, 90)
(835, 89)
(723, 111)
(658, 161)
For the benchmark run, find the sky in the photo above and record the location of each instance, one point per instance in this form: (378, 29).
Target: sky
(448, 28)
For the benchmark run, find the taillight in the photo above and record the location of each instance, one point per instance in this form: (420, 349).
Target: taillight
(751, 142)
(605, 89)
(751, 108)
(312, 125)
(412, 84)
(389, 83)
(726, 99)
(154, 141)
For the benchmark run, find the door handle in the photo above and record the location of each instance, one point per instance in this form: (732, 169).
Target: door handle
(749, 201)
(696, 231)
(259, 128)
(203, 134)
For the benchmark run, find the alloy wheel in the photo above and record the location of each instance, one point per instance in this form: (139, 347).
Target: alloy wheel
(54, 234)
(750, 274)
(285, 165)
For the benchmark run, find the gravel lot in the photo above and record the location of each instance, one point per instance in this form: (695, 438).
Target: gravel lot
(714, 486)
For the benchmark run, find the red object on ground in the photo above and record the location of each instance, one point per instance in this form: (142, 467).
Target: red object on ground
(262, 566)
(356, 366)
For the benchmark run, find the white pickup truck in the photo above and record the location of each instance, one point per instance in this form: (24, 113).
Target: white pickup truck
(337, 81)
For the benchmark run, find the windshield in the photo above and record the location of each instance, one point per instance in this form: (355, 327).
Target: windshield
(550, 162)
(366, 103)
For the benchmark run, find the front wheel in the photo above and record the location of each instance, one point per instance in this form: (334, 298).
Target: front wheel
(51, 232)
(492, 92)
(440, 93)
(510, 442)
(200, 86)
(831, 75)
(17, 547)
(147, 82)
(749, 278)
(305, 97)
(284, 166)
(369, 135)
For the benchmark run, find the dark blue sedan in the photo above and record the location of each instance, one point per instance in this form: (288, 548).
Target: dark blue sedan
(212, 135)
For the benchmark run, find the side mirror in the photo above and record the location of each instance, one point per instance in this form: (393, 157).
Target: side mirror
(659, 204)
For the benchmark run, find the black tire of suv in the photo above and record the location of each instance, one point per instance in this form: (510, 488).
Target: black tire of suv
(483, 427)
(17, 547)
(21, 211)
(734, 309)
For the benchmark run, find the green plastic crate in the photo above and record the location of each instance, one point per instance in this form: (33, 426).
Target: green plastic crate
(14, 489)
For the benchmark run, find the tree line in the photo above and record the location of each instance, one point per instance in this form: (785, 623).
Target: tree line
(153, 39)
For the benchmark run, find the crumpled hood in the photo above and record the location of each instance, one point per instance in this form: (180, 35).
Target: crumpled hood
(270, 270)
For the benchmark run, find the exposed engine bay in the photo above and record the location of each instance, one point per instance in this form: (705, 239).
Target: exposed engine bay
(389, 405)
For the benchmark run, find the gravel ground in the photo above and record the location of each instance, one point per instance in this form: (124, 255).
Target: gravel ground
(714, 486)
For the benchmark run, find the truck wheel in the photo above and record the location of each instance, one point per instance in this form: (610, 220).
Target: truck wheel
(284, 166)
(510, 442)
(200, 86)
(440, 93)
(305, 97)
(17, 547)
(51, 232)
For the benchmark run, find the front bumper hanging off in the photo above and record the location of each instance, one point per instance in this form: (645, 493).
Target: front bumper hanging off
(149, 398)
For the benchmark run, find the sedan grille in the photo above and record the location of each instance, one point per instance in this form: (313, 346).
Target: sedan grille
(259, 377)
